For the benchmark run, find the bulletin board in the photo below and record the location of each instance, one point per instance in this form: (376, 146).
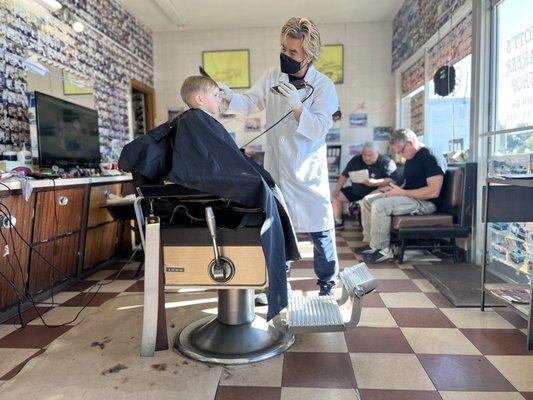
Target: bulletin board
(331, 62)
(229, 66)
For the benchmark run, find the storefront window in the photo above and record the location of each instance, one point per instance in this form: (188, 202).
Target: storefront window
(511, 137)
(514, 65)
(448, 118)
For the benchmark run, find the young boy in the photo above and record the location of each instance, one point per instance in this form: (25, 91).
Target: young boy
(201, 93)
(195, 151)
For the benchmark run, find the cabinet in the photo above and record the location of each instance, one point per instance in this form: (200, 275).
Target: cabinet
(14, 266)
(509, 200)
(100, 244)
(57, 213)
(66, 225)
(62, 253)
(97, 199)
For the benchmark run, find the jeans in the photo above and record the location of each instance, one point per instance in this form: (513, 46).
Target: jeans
(325, 257)
(376, 212)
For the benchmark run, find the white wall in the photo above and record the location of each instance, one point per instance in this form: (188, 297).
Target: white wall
(367, 76)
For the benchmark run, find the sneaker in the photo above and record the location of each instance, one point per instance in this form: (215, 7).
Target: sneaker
(326, 289)
(261, 299)
(339, 225)
(363, 250)
(379, 256)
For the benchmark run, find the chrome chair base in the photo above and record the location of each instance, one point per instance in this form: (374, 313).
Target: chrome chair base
(209, 340)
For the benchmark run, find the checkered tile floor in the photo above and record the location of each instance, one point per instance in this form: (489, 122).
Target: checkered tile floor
(411, 343)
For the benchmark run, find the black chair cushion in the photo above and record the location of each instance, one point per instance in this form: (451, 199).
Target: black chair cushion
(422, 221)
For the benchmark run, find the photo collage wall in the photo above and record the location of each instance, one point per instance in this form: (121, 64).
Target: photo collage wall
(118, 50)
(415, 23)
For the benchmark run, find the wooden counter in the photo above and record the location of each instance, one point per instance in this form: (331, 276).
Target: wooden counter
(63, 221)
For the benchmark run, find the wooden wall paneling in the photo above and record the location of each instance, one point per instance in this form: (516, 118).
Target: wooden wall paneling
(68, 215)
(22, 211)
(62, 253)
(97, 214)
(100, 244)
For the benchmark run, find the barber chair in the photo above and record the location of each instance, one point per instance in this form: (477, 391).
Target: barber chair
(182, 252)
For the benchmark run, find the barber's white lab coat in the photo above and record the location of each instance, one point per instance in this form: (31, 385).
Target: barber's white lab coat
(295, 153)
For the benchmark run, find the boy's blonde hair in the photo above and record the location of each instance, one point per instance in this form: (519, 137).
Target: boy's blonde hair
(303, 28)
(193, 85)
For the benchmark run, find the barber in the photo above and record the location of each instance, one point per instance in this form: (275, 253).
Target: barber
(295, 153)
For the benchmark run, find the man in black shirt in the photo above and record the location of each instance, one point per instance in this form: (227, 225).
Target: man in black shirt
(381, 171)
(418, 195)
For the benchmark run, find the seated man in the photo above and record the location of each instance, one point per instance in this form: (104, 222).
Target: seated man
(381, 172)
(419, 194)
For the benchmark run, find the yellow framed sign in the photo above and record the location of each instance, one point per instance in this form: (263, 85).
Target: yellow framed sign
(231, 67)
(69, 86)
(331, 62)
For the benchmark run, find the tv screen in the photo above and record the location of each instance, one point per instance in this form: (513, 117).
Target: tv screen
(67, 133)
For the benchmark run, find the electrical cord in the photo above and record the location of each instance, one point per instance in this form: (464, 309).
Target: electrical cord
(29, 298)
(54, 242)
(281, 119)
(25, 277)
(78, 280)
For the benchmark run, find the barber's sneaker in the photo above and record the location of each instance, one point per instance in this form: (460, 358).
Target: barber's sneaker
(339, 225)
(379, 256)
(326, 289)
(261, 299)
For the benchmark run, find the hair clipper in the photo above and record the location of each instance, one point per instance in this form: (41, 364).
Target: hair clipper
(298, 84)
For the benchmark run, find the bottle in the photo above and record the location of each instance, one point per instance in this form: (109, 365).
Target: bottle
(24, 157)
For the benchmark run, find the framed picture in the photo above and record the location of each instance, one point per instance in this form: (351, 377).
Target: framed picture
(333, 135)
(358, 120)
(229, 66)
(74, 85)
(331, 62)
(381, 133)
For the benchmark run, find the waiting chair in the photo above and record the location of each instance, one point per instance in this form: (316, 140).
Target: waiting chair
(452, 220)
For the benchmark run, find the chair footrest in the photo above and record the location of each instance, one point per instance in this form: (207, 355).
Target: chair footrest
(314, 314)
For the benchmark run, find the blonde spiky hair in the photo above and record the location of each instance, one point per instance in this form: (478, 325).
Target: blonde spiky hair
(305, 29)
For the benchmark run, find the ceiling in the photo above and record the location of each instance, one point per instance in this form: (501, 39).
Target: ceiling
(166, 15)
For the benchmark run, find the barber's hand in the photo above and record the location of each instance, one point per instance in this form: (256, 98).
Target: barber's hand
(290, 94)
(336, 193)
(226, 92)
(394, 190)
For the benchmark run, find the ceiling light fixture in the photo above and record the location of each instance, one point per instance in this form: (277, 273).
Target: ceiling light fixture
(78, 26)
(171, 13)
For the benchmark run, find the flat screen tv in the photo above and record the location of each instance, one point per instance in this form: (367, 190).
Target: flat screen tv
(67, 133)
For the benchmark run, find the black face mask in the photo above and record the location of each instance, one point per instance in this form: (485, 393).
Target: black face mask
(288, 65)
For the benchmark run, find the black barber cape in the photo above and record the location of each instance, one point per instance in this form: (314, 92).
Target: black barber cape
(195, 151)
